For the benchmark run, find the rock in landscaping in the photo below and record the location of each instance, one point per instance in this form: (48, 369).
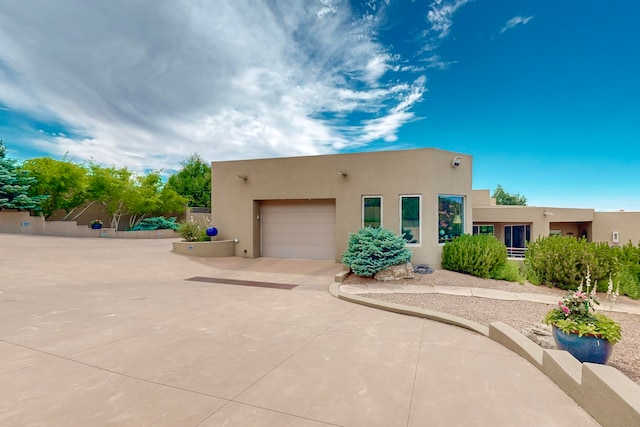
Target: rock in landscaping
(540, 334)
(395, 272)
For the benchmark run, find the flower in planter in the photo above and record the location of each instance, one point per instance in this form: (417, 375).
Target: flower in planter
(96, 222)
(575, 313)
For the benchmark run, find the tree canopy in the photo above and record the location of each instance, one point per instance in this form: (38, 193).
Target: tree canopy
(193, 181)
(64, 182)
(15, 185)
(504, 198)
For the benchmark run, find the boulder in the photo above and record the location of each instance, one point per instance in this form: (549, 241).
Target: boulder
(540, 334)
(395, 272)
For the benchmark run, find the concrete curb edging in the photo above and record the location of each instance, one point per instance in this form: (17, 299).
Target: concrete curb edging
(608, 395)
(334, 289)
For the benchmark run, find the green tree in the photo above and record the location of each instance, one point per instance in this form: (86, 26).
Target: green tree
(149, 197)
(504, 198)
(15, 185)
(193, 181)
(64, 182)
(111, 187)
(125, 193)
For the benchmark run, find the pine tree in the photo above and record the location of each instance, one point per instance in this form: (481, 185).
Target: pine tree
(14, 185)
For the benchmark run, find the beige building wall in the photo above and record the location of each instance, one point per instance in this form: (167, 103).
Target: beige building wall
(99, 211)
(483, 198)
(424, 172)
(614, 228)
(625, 224)
(542, 220)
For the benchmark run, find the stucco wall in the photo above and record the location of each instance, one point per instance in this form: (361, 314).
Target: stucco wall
(425, 172)
(541, 219)
(23, 223)
(627, 224)
(99, 211)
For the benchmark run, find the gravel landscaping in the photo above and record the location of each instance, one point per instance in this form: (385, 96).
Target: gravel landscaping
(518, 314)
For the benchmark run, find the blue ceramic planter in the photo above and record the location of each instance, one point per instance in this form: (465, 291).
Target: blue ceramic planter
(583, 348)
(96, 226)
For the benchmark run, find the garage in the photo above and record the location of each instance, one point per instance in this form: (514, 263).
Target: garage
(298, 229)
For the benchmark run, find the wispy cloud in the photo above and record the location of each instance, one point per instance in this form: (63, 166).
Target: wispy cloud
(515, 21)
(153, 81)
(434, 61)
(440, 15)
(150, 82)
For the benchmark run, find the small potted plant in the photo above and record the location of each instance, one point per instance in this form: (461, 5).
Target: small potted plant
(578, 329)
(96, 224)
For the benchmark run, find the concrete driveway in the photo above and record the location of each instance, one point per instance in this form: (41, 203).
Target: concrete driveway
(97, 332)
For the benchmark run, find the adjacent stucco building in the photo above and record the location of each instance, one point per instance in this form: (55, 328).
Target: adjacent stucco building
(306, 207)
(516, 225)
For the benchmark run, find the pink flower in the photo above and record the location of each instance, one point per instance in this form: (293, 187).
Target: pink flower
(565, 309)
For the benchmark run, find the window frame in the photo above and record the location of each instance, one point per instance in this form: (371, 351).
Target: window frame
(476, 226)
(401, 227)
(442, 241)
(362, 223)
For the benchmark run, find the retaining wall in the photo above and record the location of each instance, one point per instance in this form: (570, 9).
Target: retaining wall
(23, 223)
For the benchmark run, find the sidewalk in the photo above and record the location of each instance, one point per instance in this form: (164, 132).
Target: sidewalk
(389, 288)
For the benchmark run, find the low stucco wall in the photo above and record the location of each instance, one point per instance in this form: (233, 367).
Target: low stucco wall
(217, 248)
(23, 223)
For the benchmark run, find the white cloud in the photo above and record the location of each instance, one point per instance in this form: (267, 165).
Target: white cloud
(434, 61)
(147, 83)
(440, 15)
(515, 21)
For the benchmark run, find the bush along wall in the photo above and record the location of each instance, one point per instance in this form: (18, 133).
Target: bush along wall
(479, 255)
(563, 261)
(371, 250)
(628, 273)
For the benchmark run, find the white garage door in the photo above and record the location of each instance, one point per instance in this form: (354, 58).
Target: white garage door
(298, 229)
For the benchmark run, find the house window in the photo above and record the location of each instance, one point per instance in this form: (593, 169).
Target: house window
(371, 211)
(483, 229)
(450, 217)
(410, 226)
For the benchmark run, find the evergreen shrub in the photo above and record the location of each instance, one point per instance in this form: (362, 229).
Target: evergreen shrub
(371, 250)
(509, 271)
(562, 261)
(157, 223)
(477, 255)
(628, 274)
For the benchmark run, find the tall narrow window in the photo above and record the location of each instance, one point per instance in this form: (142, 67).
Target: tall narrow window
(450, 217)
(410, 226)
(371, 211)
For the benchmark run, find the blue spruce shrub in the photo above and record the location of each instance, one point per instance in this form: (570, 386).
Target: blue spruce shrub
(372, 250)
(157, 223)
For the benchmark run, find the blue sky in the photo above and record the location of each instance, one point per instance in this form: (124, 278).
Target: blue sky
(545, 94)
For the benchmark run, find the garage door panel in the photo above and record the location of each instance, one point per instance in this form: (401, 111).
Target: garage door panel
(298, 229)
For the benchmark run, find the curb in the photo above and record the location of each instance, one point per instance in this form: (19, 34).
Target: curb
(605, 393)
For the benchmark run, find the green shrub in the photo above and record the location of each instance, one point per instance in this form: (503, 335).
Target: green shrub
(509, 271)
(157, 223)
(477, 255)
(563, 262)
(628, 276)
(191, 231)
(371, 250)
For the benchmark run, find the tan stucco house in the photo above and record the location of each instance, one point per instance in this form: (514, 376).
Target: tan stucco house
(306, 207)
(516, 225)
